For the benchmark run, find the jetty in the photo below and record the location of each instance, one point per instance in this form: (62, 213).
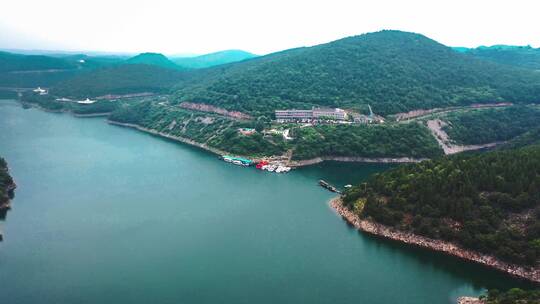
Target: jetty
(327, 186)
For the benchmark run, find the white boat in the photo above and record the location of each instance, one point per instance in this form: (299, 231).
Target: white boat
(237, 162)
(271, 168)
(227, 160)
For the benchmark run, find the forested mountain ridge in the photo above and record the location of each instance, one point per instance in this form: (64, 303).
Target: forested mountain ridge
(392, 71)
(520, 56)
(213, 59)
(486, 202)
(10, 62)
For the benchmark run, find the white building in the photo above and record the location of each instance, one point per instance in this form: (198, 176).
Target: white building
(309, 115)
(86, 101)
(334, 114)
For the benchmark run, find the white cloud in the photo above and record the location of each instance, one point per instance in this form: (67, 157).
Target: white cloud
(259, 26)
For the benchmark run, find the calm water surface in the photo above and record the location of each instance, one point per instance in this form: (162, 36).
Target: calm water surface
(104, 214)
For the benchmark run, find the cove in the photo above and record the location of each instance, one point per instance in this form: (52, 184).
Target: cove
(104, 214)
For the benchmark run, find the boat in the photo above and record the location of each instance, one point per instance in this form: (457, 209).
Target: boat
(347, 186)
(282, 169)
(237, 160)
(260, 165)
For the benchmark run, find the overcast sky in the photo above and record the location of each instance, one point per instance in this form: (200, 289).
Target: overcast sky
(201, 26)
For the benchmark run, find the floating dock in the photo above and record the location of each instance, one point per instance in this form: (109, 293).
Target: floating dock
(327, 186)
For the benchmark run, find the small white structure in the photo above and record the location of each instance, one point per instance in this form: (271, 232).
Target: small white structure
(87, 101)
(40, 91)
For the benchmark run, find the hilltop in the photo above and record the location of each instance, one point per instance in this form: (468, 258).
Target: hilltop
(213, 59)
(152, 59)
(391, 70)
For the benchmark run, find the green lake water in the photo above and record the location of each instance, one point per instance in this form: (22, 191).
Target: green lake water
(105, 214)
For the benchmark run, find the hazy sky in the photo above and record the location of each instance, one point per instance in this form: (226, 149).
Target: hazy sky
(200, 26)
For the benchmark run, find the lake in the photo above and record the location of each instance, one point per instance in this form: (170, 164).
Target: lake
(105, 214)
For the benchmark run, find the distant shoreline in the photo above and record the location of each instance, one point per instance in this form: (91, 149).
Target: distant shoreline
(367, 226)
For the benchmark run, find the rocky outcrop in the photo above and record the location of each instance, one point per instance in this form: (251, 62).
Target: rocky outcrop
(212, 109)
(371, 227)
(469, 300)
(307, 162)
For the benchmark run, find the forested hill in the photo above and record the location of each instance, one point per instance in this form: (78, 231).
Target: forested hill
(520, 56)
(487, 202)
(121, 79)
(392, 71)
(153, 59)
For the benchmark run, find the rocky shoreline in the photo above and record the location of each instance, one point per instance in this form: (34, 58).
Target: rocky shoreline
(469, 300)
(527, 273)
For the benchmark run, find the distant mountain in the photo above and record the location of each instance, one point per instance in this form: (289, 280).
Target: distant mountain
(520, 56)
(152, 59)
(393, 71)
(10, 62)
(120, 79)
(213, 59)
(19, 70)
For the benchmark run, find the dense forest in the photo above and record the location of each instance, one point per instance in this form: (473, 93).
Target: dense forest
(528, 138)
(491, 125)
(520, 56)
(403, 140)
(487, 202)
(6, 187)
(390, 70)
(512, 296)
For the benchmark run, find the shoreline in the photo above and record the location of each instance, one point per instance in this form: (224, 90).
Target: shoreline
(168, 136)
(36, 106)
(367, 226)
(294, 164)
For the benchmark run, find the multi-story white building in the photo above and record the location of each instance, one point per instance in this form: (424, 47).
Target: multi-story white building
(290, 115)
(335, 114)
(309, 115)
